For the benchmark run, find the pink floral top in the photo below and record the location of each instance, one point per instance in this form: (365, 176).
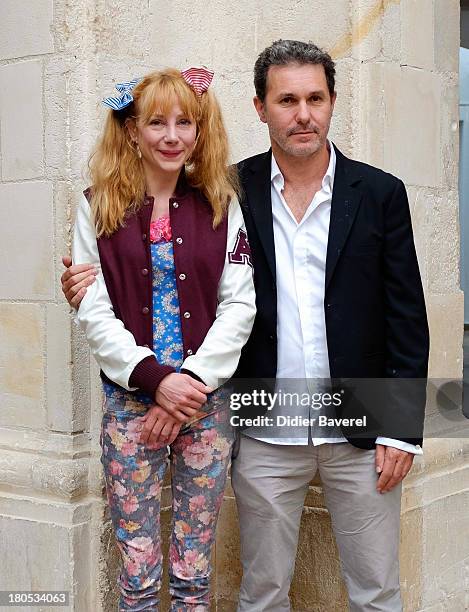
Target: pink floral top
(160, 229)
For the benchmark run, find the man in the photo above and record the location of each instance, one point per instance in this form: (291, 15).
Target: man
(338, 296)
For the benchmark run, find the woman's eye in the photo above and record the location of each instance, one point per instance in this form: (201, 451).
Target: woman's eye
(156, 122)
(185, 122)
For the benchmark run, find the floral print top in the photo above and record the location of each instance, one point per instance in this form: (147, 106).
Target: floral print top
(167, 335)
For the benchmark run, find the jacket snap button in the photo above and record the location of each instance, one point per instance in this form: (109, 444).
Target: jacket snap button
(182, 277)
(179, 240)
(145, 310)
(175, 205)
(187, 315)
(189, 351)
(146, 346)
(144, 236)
(144, 271)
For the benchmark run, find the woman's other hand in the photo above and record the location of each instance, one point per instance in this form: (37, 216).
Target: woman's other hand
(181, 395)
(159, 427)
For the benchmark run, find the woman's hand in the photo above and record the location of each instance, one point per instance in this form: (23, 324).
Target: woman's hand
(181, 396)
(159, 427)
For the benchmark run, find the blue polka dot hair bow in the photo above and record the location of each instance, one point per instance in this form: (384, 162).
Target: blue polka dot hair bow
(119, 102)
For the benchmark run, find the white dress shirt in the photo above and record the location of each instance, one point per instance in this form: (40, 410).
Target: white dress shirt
(300, 258)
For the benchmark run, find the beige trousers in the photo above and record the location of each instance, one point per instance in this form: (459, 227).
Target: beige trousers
(270, 482)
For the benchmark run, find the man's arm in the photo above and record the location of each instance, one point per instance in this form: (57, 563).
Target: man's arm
(407, 337)
(407, 340)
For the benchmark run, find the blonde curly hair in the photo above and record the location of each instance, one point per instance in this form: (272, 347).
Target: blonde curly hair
(116, 172)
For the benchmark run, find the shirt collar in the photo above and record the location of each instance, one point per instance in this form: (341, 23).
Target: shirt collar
(278, 181)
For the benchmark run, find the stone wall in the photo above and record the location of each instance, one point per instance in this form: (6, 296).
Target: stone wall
(397, 65)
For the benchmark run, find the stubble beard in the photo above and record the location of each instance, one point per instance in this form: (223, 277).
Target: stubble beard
(299, 150)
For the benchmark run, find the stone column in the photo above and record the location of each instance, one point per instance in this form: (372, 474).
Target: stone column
(407, 123)
(51, 508)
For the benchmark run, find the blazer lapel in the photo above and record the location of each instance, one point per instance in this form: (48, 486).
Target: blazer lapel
(344, 206)
(258, 195)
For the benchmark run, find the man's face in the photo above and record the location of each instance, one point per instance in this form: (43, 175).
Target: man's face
(297, 108)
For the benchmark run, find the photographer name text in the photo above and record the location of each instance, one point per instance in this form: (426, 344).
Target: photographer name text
(295, 421)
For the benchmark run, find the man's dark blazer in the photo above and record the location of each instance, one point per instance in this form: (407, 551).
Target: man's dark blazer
(376, 322)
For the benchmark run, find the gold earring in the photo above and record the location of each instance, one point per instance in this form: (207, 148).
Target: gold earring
(137, 150)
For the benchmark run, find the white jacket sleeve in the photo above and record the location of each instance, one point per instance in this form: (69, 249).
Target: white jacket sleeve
(217, 358)
(113, 347)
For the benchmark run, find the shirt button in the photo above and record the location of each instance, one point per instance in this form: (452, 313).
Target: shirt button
(145, 310)
(187, 315)
(179, 240)
(175, 205)
(144, 271)
(189, 351)
(182, 277)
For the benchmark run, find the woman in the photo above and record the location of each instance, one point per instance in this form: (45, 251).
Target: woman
(166, 320)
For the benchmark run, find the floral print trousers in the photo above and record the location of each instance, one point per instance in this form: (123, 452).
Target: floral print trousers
(199, 459)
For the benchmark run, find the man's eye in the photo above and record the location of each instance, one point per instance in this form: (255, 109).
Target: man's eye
(287, 100)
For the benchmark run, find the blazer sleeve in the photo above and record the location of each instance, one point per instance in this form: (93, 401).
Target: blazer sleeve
(217, 358)
(406, 319)
(112, 345)
(407, 336)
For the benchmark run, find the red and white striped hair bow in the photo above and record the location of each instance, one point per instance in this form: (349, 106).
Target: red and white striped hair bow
(198, 78)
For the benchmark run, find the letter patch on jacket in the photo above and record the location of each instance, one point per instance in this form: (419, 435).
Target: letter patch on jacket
(241, 254)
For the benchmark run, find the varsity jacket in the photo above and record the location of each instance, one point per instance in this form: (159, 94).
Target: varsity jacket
(214, 283)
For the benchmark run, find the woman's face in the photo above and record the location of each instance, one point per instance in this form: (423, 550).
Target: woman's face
(166, 142)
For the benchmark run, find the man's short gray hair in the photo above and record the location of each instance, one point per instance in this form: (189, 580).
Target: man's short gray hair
(282, 52)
